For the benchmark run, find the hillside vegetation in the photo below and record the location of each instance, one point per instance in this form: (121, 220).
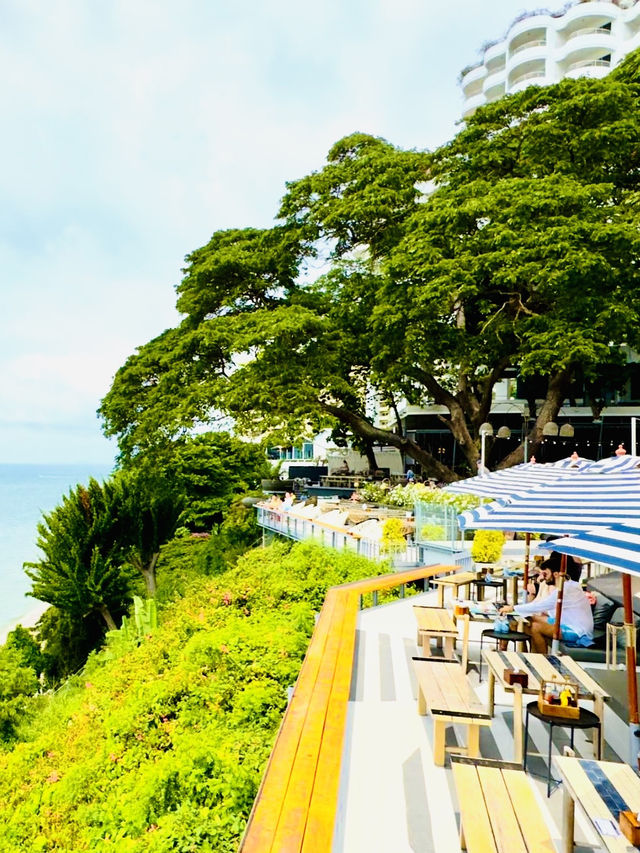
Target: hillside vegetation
(160, 744)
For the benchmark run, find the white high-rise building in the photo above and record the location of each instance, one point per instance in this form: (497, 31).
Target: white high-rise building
(586, 38)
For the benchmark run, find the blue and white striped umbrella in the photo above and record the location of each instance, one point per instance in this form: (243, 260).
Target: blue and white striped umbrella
(617, 546)
(617, 464)
(509, 481)
(570, 505)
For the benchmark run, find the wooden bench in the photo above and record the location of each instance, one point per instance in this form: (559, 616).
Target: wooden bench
(435, 623)
(295, 808)
(498, 809)
(443, 690)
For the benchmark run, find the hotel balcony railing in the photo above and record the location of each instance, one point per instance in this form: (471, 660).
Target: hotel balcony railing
(589, 31)
(531, 75)
(589, 63)
(521, 47)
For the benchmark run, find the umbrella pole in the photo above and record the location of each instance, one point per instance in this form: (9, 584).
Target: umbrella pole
(555, 645)
(527, 552)
(632, 682)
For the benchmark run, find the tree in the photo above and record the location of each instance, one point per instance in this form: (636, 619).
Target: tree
(81, 568)
(523, 258)
(18, 682)
(149, 508)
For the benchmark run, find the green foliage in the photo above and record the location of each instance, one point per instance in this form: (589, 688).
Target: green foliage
(80, 571)
(393, 536)
(22, 641)
(18, 682)
(526, 257)
(431, 532)
(487, 546)
(161, 746)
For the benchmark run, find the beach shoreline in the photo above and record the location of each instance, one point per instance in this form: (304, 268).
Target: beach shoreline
(27, 620)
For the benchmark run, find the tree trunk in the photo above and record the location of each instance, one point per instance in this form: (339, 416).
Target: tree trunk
(149, 575)
(108, 618)
(371, 456)
(366, 430)
(556, 394)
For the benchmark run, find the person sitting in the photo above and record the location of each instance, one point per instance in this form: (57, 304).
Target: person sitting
(576, 627)
(410, 476)
(343, 468)
(289, 498)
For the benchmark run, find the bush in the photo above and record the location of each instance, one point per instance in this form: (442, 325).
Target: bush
(161, 746)
(393, 536)
(487, 546)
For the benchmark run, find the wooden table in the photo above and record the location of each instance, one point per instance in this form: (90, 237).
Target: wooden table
(601, 789)
(444, 690)
(436, 623)
(477, 616)
(455, 582)
(540, 667)
(498, 809)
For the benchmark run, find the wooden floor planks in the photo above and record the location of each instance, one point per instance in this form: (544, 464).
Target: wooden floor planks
(296, 803)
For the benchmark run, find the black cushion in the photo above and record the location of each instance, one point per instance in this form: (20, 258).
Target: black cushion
(603, 611)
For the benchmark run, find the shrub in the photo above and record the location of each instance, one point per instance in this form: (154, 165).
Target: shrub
(393, 536)
(487, 546)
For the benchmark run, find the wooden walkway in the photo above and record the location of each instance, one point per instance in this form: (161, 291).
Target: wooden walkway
(295, 808)
(352, 768)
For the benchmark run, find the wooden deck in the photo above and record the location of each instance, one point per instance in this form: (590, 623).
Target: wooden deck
(353, 766)
(295, 808)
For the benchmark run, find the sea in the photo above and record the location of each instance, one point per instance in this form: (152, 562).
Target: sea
(26, 492)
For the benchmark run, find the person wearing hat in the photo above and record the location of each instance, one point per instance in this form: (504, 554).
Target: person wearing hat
(576, 627)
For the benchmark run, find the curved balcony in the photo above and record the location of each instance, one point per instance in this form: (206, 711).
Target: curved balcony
(587, 46)
(494, 56)
(472, 104)
(604, 9)
(588, 31)
(534, 22)
(596, 68)
(494, 85)
(531, 78)
(528, 45)
(473, 76)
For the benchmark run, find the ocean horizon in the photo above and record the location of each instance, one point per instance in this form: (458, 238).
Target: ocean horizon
(26, 492)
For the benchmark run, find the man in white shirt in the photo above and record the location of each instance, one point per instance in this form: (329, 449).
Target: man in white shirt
(577, 617)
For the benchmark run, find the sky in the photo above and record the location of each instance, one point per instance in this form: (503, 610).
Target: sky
(132, 130)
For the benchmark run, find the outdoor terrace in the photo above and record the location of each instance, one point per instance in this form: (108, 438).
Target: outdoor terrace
(385, 792)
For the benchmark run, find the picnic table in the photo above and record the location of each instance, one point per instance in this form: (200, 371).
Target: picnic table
(485, 612)
(454, 582)
(498, 809)
(435, 623)
(540, 667)
(601, 789)
(443, 690)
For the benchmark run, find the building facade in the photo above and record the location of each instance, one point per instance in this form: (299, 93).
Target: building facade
(586, 38)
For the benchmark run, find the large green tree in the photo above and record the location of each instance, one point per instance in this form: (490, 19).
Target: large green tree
(80, 571)
(521, 256)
